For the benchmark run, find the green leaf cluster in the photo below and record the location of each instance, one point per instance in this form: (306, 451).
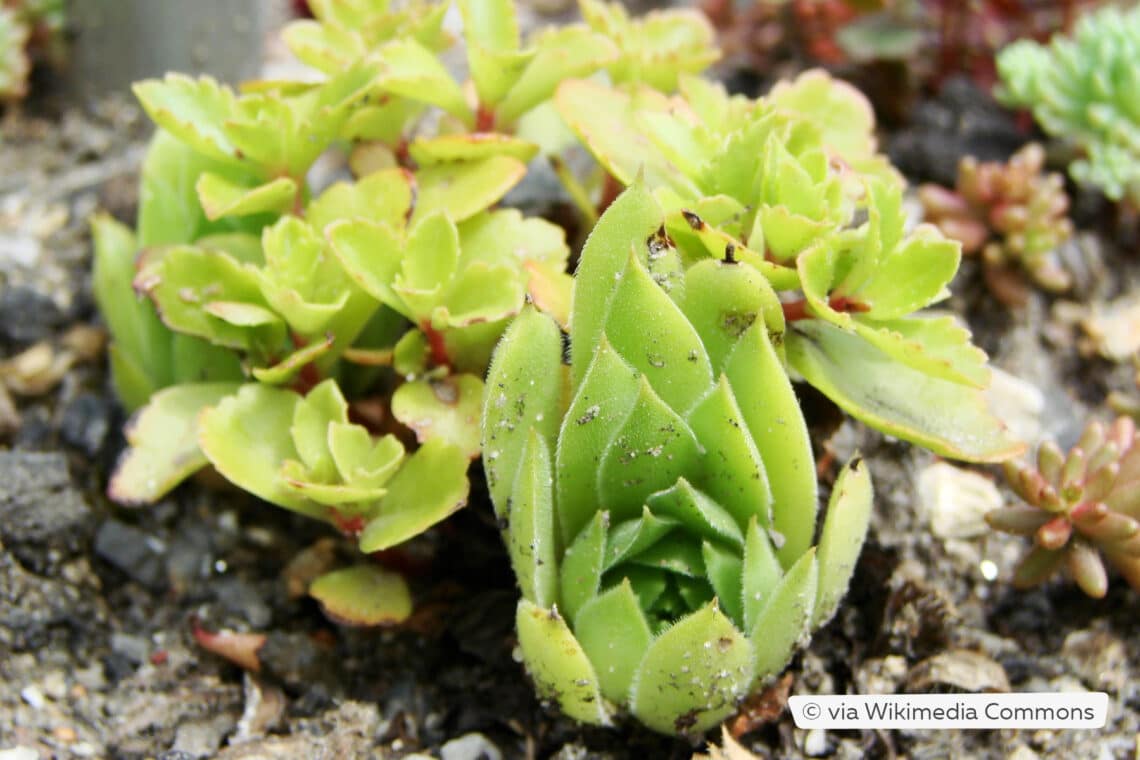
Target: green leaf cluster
(1083, 88)
(659, 494)
(793, 185)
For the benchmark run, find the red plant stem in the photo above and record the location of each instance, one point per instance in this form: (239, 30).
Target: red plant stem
(484, 119)
(349, 526)
(436, 344)
(797, 310)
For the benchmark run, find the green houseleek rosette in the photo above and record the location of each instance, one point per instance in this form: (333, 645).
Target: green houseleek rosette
(659, 493)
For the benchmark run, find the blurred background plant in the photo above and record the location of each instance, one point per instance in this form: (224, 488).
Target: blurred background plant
(1082, 509)
(1011, 214)
(31, 33)
(1082, 89)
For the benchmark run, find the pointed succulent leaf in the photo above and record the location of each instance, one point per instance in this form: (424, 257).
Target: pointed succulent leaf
(633, 537)
(774, 419)
(725, 569)
(220, 197)
(734, 473)
(844, 528)
(719, 661)
(652, 448)
(430, 486)
(948, 418)
(530, 534)
(247, 437)
(722, 300)
(761, 573)
(447, 409)
(163, 438)
(560, 668)
(652, 333)
(364, 595)
(785, 618)
(603, 403)
(614, 634)
(634, 215)
(582, 564)
(698, 513)
(524, 391)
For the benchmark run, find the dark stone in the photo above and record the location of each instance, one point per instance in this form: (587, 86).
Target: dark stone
(36, 431)
(32, 606)
(43, 519)
(962, 121)
(241, 599)
(27, 315)
(85, 423)
(117, 666)
(132, 551)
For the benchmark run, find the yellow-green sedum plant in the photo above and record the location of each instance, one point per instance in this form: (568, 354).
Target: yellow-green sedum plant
(659, 494)
(793, 184)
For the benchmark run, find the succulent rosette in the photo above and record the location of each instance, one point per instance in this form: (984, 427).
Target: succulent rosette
(1082, 88)
(1082, 508)
(659, 494)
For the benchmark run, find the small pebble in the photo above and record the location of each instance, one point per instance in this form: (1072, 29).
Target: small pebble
(815, 743)
(33, 696)
(956, 500)
(472, 746)
(19, 753)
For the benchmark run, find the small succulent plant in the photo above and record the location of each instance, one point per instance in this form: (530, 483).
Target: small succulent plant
(1082, 88)
(29, 29)
(1082, 509)
(784, 181)
(1011, 213)
(659, 494)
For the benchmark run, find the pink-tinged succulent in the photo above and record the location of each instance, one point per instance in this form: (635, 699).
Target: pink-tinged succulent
(1011, 213)
(1083, 508)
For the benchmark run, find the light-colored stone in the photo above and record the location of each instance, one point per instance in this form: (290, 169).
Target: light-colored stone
(956, 501)
(1115, 327)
